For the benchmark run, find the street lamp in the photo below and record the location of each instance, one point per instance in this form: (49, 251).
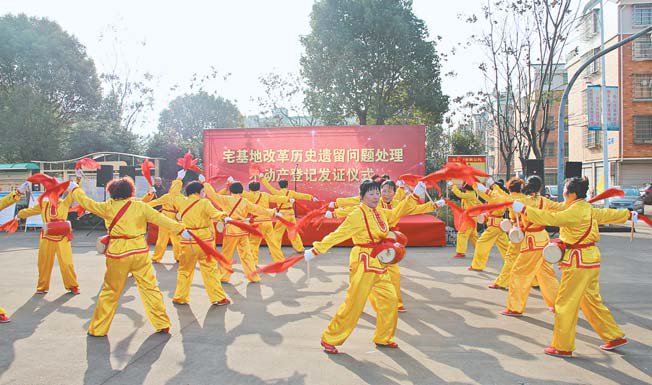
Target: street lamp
(564, 99)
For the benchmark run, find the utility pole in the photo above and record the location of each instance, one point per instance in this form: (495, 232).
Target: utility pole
(605, 132)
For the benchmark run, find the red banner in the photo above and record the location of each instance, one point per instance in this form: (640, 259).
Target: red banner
(328, 162)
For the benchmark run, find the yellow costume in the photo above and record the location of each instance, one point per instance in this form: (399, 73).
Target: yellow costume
(265, 226)
(127, 253)
(197, 215)
(170, 211)
(493, 233)
(4, 202)
(49, 245)
(469, 199)
(368, 278)
(288, 213)
(237, 207)
(580, 280)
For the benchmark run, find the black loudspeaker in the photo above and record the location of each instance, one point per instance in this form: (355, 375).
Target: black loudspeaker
(104, 175)
(534, 167)
(129, 171)
(573, 169)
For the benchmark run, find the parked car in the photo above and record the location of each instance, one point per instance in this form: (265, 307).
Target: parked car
(550, 192)
(632, 200)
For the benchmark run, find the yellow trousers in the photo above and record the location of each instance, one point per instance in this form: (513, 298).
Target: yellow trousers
(2, 311)
(530, 264)
(165, 236)
(46, 251)
(273, 243)
(580, 287)
(463, 239)
(117, 270)
(241, 243)
(395, 276)
(380, 291)
(190, 255)
(483, 246)
(510, 256)
(280, 229)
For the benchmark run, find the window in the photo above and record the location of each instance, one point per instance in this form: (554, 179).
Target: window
(550, 150)
(591, 24)
(642, 86)
(594, 67)
(643, 129)
(642, 49)
(642, 14)
(592, 139)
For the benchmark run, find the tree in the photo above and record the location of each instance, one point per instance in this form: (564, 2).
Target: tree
(47, 83)
(369, 59)
(465, 142)
(182, 123)
(282, 104)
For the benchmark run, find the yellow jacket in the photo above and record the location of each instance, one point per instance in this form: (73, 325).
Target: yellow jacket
(468, 198)
(131, 227)
(286, 209)
(263, 199)
(197, 215)
(237, 207)
(50, 213)
(576, 220)
(10, 199)
(167, 200)
(399, 210)
(401, 193)
(355, 226)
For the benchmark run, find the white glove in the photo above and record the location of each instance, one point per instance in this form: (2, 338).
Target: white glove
(151, 190)
(331, 205)
(185, 234)
(79, 173)
(72, 186)
(490, 181)
(314, 199)
(634, 217)
(202, 178)
(420, 190)
(481, 187)
(23, 187)
(230, 179)
(440, 203)
(226, 220)
(181, 174)
(328, 215)
(291, 200)
(450, 183)
(309, 254)
(400, 183)
(518, 206)
(278, 214)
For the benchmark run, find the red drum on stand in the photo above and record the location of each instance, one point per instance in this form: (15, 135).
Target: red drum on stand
(57, 228)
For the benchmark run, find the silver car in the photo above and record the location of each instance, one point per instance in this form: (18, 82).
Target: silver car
(632, 200)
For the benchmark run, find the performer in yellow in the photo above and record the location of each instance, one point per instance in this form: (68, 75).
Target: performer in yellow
(238, 208)
(529, 263)
(4, 202)
(469, 199)
(368, 278)
(127, 252)
(265, 226)
(493, 233)
(170, 211)
(197, 215)
(287, 210)
(386, 204)
(389, 197)
(49, 245)
(580, 280)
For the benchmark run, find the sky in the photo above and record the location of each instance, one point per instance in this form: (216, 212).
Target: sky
(174, 40)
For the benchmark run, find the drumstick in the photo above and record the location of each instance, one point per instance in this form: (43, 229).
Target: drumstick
(632, 233)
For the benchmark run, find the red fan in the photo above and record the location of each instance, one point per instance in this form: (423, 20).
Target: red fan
(77, 209)
(608, 193)
(309, 219)
(217, 177)
(279, 267)
(410, 179)
(53, 189)
(211, 252)
(11, 226)
(291, 227)
(255, 170)
(188, 163)
(645, 219)
(460, 219)
(146, 168)
(246, 227)
(87, 163)
(479, 209)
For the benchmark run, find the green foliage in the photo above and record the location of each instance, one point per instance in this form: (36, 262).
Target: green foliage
(47, 82)
(370, 59)
(182, 124)
(465, 142)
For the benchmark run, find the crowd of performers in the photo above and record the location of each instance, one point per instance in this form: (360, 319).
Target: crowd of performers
(190, 217)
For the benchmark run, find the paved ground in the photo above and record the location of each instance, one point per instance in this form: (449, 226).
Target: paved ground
(452, 332)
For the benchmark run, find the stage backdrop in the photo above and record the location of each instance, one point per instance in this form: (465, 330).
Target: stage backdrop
(328, 162)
